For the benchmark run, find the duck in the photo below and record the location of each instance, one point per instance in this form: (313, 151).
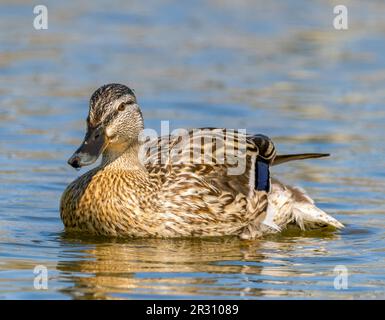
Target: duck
(172, 187)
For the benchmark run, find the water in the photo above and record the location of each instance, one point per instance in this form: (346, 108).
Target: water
(277, 68)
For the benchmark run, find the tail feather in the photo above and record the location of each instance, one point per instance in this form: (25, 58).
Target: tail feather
(279, 159)
(307, 216)
(289, 204)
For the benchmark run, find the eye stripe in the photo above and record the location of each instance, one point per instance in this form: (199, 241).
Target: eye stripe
(112, 116)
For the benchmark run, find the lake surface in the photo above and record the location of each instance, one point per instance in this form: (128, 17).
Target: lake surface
(276, 68)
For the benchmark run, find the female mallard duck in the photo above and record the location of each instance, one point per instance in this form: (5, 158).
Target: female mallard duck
(153, 193)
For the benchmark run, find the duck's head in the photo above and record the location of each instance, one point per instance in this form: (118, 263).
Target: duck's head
(113, 124)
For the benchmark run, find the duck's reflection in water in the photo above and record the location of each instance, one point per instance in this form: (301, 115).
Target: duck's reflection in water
(187, 268)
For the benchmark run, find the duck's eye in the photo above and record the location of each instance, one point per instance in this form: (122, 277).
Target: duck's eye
(122, 107)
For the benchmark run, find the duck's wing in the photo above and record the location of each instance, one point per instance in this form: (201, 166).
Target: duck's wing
(211, 181)
(300, 156)
(229, 159)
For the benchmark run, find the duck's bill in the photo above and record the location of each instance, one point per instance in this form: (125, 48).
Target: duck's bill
(92, 147)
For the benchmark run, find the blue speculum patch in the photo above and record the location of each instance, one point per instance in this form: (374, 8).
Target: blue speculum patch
(262, 175)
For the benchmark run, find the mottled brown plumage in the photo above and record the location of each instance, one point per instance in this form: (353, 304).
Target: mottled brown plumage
(153, 188)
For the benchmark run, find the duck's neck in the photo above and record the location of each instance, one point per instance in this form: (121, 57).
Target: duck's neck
(122, 158)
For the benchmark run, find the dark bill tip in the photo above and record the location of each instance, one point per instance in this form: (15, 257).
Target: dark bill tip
(80, 159)
(74, 161)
